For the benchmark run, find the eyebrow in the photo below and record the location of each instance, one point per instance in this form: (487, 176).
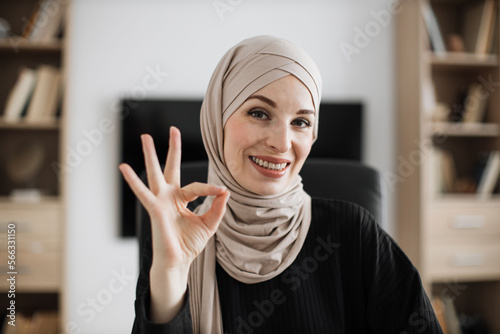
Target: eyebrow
(273, 104)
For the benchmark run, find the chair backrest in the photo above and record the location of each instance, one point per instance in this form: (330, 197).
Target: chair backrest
(328, 178)
(344, 180)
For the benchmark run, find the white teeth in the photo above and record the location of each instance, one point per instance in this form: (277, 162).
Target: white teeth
(269, 165)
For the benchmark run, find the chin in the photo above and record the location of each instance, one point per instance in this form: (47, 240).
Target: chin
(267, 190)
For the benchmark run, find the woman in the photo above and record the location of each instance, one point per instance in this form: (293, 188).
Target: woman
(259, 255)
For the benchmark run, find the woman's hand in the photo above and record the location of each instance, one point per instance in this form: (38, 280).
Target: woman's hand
(178, 235)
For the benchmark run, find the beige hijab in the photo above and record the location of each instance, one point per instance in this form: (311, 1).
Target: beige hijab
(259, 236)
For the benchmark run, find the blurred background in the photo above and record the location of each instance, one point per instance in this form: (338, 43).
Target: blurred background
(115, 45)
(371, 53)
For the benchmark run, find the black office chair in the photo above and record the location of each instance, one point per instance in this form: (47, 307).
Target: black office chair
(328, 178)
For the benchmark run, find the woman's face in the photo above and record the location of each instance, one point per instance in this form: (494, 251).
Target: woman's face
(268, 138)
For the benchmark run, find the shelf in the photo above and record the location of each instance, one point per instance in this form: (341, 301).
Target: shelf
(462, 59)
(18, 43)
(466, 129)
(8, 202)
(464, 199)
(23, 125)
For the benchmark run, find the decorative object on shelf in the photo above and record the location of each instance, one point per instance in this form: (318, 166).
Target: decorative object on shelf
(24, 160)
(4, 28)
(440, 112)
(455, 43)
(465, 185)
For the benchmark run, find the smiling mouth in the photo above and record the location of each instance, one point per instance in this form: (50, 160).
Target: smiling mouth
(269, 165)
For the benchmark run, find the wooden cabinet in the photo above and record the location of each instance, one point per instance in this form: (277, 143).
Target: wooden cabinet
(38, 243)
(31, 188)
(449, 230)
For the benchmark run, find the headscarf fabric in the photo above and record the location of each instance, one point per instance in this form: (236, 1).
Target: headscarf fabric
(259, 236)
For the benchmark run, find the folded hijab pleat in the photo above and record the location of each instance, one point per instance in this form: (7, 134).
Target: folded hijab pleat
(259, 236)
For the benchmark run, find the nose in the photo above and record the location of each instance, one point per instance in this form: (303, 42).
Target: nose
(279, 138)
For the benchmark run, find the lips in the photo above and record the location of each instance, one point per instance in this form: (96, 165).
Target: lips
(269, 166)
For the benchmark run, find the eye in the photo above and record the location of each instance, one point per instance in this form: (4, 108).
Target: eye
(259, 114)
(301, 123)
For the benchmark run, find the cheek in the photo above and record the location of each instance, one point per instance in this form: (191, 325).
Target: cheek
(303, 148)
(237, 138)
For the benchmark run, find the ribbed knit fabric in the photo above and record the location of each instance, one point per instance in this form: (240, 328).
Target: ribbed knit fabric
(350, 277)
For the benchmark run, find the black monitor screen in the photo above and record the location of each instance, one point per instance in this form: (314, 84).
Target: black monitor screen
(339, 137)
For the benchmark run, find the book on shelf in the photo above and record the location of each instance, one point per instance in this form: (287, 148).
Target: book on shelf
(479, 26)
(486, 29)
(46, 21)
(443, 170)
(439, 310)
(19, 96)
(449, 320)
(475, 104)
(490, 174)
(494, 32)
(450, 316)
(432, 24)
(31, 22)
(46, 95)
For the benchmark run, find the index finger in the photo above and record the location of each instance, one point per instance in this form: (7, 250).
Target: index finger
(173, 164)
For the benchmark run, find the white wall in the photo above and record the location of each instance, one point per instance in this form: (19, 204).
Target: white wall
(113, 47)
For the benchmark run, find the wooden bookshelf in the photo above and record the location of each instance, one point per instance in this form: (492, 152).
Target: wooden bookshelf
(452, 237)
(27, 151)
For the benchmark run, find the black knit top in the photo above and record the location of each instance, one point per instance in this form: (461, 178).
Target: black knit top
(349, 277)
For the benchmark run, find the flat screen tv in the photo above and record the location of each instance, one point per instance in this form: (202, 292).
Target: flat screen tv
(339, 137)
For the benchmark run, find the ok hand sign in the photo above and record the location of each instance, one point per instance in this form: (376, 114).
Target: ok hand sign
(178, 235)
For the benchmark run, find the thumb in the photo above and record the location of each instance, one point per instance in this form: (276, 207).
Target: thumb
(213, 217)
